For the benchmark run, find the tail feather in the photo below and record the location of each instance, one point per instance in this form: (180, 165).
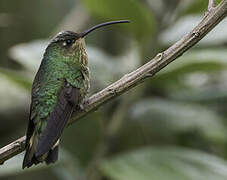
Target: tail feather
(30, 158)
(52, 155)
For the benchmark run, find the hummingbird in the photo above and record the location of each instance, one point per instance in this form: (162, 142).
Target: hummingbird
(60, 85)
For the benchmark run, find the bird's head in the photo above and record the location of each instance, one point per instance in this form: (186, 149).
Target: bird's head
(69, 43)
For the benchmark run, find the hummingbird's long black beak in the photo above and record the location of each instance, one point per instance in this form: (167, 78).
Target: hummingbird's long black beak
(83, 34)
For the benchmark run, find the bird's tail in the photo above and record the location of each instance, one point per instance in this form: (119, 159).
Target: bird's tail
(30, 158)
(52, 155)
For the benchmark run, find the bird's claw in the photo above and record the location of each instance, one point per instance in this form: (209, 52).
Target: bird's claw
(83, 106)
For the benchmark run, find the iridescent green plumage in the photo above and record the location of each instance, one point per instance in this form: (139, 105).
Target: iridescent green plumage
(61, 83)
(64, 65)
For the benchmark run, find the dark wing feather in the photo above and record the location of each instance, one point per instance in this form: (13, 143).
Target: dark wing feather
(30, 130)
(68, 98)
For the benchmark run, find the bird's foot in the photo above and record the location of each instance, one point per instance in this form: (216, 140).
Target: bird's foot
(83, 106)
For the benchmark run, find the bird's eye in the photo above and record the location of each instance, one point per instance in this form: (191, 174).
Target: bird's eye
(68, 42)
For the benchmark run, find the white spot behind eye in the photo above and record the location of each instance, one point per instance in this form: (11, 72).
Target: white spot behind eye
(64, 43)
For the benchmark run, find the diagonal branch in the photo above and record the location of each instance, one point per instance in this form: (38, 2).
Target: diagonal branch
(211, 4)
(128, 81)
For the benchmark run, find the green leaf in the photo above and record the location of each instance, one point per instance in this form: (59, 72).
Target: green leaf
(29, 55)
(192, 76)
(200, 60)
(142, 20)
(165, 163)
(186, 24)
(106, 68)
(205, 61)
(162, 116)
(198, 6)
(65, 168)
(13, 92)
(205, 92)
(16, 77)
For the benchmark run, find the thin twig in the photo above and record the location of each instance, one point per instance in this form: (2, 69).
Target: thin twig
(12, 149)
(138, 76)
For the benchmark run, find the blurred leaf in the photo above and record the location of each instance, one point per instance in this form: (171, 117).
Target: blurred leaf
(169, 116)
(203, 62)
(29, 55)
(186, 24)
(16, 77)
(66, 165)
(106, 68)
(202, 87)
(192, 76)
(165, 163)
(142, 20)
(14, 100)
(12, 92)
(198, 6)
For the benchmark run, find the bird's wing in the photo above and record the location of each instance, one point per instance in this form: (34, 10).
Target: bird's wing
(30, 128)
(68, 98)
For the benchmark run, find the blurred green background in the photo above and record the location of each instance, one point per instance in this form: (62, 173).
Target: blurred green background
(172, 127)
